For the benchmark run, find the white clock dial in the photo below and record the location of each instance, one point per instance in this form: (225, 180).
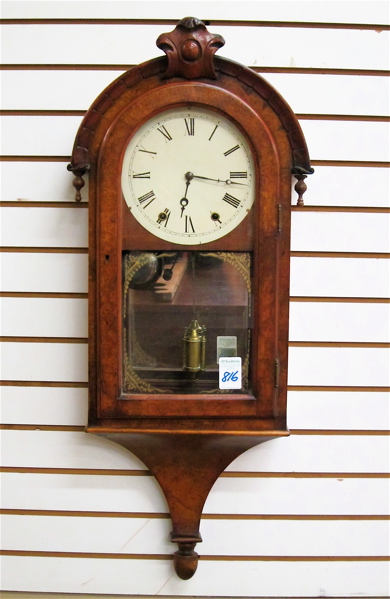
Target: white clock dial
(188, 176)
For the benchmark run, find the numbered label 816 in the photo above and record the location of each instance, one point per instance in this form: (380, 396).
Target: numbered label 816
(230, 373)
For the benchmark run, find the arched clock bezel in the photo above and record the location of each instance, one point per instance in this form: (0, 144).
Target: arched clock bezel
(190, 140)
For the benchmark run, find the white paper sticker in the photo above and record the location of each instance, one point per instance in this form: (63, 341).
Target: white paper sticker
(230, 373)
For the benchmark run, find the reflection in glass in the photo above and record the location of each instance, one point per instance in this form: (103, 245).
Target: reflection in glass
(182, 311)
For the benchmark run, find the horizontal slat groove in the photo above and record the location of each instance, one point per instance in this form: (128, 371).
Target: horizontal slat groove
(341, 163)
(322, 71)
(353, 163)
(337, 432)
(37, 204)
(238, 474)
(354, 344)
(43, 427)
(307, 254)
(43, 294)
(29, 158)
(212, 23)
(16, 383)
(308, 299)
(344, 117)
(257, 69)
(310, 388)
(310, 208)
(333, 209)
(8, 339)
(330, 344)
(345, 300)
(165, 516)
(28, 112)
(300, 432)
(227, 558)
(44, 250)
(338, 388)
(86, 555)
(74, 471)
(305, 558)
(305, 117)
(295, 254)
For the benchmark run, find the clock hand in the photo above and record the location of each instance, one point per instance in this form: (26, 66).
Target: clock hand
(226, 181)
(183, 204)
(184, 201)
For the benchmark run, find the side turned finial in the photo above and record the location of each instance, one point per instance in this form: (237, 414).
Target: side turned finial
(300, 187)
(78, 184)
(190, 49)
(78, 181)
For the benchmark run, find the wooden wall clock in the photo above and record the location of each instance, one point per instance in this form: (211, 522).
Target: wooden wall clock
(190, 159)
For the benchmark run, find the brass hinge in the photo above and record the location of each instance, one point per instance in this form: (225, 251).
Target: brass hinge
(279, 218)
(276, 373)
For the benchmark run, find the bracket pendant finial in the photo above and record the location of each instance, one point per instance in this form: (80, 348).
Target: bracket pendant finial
(300, 187)
(190, 49)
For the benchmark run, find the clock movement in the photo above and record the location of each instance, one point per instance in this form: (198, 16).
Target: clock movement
(190, 158)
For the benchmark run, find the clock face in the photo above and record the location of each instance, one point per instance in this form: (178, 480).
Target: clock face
(188, 176)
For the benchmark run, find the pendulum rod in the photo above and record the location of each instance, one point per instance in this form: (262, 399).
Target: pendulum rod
(194, 340)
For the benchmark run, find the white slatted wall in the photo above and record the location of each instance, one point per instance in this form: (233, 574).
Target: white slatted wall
(305, 516)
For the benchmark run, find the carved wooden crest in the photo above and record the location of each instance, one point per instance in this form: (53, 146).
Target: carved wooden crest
(190, 49)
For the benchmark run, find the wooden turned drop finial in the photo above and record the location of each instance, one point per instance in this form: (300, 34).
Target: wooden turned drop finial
(78, 181)
(190, 49)
(185, 560)
(78, 184)
(300, 187)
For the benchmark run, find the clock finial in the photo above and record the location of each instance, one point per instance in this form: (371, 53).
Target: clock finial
(190, 49)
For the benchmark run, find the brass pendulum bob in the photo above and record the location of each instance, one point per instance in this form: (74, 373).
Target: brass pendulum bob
(194, 349)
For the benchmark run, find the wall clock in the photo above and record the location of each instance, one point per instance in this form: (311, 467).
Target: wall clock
(190, 159)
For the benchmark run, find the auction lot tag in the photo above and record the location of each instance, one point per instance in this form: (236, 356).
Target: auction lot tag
(230, 373)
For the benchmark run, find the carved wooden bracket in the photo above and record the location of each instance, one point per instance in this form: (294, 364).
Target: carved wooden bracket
(190, 49)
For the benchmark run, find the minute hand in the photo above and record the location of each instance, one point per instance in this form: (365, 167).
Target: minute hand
(226, 181)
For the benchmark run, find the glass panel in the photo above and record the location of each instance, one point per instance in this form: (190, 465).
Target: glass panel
(182, 311)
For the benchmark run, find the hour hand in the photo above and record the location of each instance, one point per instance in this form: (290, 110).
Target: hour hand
(184, 201)
(183, 204)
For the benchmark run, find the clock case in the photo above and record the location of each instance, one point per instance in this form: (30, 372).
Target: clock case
(186, 441)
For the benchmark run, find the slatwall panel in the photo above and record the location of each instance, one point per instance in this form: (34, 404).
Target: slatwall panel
(305, 516)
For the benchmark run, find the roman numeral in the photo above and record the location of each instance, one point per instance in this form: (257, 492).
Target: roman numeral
(189, 225)
(190, 126)
(239, 175)
(231, 150)
(142, 175)
(164, 132)
(147, 196)
(214, 130)
(231, 200)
